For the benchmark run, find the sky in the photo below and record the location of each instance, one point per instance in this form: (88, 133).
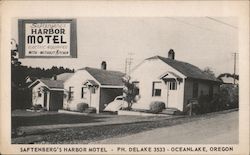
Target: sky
(201, 41)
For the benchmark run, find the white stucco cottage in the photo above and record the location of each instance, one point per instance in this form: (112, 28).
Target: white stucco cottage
(47, 93)
(171, 81)
(93, 86)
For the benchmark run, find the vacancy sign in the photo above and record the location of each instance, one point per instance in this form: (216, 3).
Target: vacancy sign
(47, 38)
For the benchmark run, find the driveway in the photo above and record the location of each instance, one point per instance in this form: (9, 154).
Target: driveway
(221, 129)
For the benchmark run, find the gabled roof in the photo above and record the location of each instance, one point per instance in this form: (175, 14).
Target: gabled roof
(186, 69)
(64, 76)
(106, 77)
(51, 84)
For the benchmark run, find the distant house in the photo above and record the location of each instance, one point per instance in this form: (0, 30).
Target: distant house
(95, 87)
(49, 93)
(171, 81)
(229, 80)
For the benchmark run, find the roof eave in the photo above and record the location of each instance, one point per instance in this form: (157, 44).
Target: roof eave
(192, 78)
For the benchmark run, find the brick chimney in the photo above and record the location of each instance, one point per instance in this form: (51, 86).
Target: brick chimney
(171, 54)
(104, 65)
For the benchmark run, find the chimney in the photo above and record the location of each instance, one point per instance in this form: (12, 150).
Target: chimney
(171, 54)
(54, 77)
(104, 65)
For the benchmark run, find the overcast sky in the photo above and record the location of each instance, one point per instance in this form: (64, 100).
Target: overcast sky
(201, 41)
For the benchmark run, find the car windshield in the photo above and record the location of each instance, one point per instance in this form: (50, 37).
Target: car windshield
(119, 98)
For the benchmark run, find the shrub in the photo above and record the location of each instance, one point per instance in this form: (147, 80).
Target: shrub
(227, 98)
(37, 107)
(204, 106)
(81, 107)
(156, 106)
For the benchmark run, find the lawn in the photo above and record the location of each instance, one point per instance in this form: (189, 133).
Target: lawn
(49, 118)
(56, 128)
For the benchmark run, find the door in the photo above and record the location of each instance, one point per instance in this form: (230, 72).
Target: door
(45, 99)
(172, 94)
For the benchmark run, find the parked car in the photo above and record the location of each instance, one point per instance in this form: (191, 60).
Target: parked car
(116, 105)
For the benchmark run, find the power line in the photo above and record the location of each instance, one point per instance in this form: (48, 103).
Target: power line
(219, 21)
(187, 23)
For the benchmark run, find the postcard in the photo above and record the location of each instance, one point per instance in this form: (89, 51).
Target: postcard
(125, 77)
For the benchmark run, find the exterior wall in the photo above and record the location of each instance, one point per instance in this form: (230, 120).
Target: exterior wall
(107, 95)
(216, 89)
(188, 92)
(36, 100)
(150, 71)
(77, 82)
(203, 89)
(55, 100)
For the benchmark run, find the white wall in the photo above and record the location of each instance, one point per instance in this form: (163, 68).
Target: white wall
(149, 71)
(38, 100)
(77, 81)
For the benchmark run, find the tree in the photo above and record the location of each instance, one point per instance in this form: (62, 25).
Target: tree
(209, 71)
(130, 91)
(14, 60)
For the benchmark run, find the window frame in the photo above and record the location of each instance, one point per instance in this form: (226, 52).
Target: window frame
(71, 93)
(137, 89)
(172, 85)
(156, 92)
(83, 92)
(195, 90)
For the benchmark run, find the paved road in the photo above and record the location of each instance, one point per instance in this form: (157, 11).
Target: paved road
(221, 129)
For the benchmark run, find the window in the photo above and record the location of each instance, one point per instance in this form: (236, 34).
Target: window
(156, 91)
(92, 90)
(172, 85)
(71, 93)
(84, 92)
(119, 98)
(195, 89)
(39, 94)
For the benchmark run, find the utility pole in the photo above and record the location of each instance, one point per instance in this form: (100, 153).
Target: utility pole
(234, 55)
(128, 63)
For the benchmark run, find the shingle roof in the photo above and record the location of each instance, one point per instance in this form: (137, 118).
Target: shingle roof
(53, 83)
(64, 76)
(106, 77)
(187, 69)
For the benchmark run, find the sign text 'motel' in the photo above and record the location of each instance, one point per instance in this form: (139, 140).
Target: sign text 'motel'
(47, 38)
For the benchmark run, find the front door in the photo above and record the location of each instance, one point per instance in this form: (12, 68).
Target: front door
(172, 94)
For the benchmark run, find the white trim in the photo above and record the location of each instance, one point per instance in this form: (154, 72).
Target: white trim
(132, 70)
(110, 86)
(90, 75)
(34, 83)
(60, 89)
(57, 89)
(40, 82)
(168, 72)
